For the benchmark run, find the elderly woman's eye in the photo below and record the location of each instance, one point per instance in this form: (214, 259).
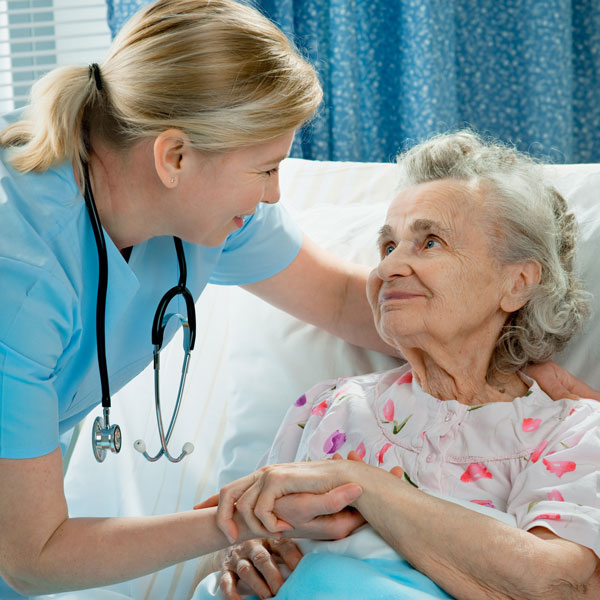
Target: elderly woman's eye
(388, 249)
(431, 243)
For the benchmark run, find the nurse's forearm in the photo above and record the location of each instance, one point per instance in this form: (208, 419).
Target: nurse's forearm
(355, 319)
(85, 552)
(327, 291)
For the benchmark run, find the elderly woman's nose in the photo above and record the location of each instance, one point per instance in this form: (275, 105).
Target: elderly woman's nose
(393, 265)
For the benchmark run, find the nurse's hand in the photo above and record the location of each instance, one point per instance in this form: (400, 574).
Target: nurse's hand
(558, 383)
(310, 489)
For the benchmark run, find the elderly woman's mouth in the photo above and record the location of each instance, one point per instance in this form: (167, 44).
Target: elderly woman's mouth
(399, 295)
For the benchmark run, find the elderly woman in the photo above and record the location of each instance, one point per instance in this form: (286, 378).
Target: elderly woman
(475, 281)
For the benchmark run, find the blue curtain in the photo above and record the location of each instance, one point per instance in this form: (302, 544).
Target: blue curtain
(396, 71)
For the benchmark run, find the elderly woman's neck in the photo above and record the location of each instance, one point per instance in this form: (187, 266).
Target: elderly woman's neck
(462, 378)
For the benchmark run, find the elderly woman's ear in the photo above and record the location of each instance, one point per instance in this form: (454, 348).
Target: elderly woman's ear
(520, 282)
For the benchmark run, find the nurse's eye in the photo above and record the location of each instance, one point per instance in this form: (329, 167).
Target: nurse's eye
(431, 242)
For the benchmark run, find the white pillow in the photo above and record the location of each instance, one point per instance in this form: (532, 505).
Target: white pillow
(275, 358)
(580, 184)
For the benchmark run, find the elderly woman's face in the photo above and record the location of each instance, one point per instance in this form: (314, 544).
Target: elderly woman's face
(437, 278)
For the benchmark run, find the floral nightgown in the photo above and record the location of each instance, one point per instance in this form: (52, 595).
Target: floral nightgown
(534, 458)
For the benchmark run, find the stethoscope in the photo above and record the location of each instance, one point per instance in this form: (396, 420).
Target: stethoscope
(104, 435)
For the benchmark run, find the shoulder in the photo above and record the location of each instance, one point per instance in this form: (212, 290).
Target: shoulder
(267, 219)
(267, 243)
(342, 388)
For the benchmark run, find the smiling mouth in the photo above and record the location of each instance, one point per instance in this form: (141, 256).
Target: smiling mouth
(399, 296)
(245, 215)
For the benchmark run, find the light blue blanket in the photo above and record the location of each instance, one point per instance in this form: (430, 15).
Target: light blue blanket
(354, 568)
(323, 576)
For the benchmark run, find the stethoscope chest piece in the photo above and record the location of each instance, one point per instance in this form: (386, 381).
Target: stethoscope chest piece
(105, 437)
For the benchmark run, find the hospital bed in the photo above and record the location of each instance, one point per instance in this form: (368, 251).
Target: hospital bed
(251, 361)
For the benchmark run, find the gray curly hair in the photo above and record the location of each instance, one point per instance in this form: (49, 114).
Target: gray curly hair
(528, 220)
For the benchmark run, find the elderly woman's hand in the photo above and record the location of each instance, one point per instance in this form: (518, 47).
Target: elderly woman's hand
(558, 383)
(258, 564)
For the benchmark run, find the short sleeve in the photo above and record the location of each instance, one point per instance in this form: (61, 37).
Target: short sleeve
(36, 324)
(559, 489)
(287, 441)
(266, 244)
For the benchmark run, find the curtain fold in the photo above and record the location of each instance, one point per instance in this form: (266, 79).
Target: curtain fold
(397, 71)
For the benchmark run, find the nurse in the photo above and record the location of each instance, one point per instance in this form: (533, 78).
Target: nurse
(182, 129)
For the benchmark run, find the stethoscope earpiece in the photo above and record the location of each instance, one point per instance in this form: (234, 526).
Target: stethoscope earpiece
(140, 446)
(188, 448)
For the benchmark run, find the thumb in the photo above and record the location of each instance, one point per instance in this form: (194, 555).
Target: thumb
(208, 503)
(303, 507)
(338, 498)
(347, 493)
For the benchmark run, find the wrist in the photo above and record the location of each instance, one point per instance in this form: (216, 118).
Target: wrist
(373, 480)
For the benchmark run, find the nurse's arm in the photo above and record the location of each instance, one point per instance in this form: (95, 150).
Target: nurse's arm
(43, 551)
(327, 291)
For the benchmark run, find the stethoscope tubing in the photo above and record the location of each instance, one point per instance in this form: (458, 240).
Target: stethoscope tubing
(102, 287)
(105, 436)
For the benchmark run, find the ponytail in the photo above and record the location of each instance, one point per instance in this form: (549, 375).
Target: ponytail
(51, 130)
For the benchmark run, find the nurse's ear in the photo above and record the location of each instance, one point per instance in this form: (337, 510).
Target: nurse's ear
(171, 148)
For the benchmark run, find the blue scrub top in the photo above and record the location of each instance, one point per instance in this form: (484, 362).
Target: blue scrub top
(49, 279)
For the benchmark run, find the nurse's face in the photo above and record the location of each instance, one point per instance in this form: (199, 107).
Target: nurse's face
(228, 188)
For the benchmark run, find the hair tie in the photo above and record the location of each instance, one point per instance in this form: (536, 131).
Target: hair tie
(94, 71)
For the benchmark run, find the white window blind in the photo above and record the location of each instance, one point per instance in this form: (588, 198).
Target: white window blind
(39, 35)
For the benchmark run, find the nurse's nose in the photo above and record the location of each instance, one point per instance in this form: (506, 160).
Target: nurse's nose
(272, 192)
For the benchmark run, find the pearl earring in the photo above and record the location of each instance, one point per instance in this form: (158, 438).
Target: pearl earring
(172, 180)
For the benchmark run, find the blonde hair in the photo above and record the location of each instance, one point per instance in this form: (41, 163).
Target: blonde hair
(216, 69)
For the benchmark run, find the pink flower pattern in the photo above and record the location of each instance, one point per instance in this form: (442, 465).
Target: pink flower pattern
(535, 455)
(319, 409)
(406, 378)
(559, 467)
(388, 410)
(361, 450)
(382, 452)
(548, 517)
(487, 503)
(530, 424)
(555, 496)
(474, 472)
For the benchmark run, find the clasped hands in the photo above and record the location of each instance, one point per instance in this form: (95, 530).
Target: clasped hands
(310, 500)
